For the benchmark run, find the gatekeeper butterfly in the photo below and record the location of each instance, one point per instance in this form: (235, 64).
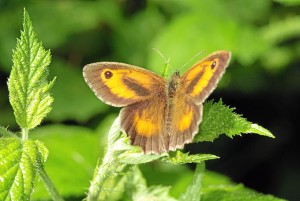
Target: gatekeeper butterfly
(158, 115)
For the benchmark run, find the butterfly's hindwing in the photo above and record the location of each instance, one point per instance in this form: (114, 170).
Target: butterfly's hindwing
(186, 116)
(144, 122)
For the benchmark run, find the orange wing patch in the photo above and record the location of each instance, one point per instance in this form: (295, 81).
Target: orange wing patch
(185, 117)
(146, 126)
(144, 122)
(186, 121)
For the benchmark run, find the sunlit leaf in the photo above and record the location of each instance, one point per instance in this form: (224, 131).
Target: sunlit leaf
(19, 163)
(181, 158)
(28, 87)
(220, 119)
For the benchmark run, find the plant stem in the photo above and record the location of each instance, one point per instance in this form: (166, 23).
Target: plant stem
(193, 191)
(49, 185)
(25, 134)
(104, 172)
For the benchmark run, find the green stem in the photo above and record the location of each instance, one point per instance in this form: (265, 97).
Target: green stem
(193, 191)
(106, 171)
(49, 185)
(25, 134)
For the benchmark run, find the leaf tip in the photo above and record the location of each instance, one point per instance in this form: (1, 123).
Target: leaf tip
(262, 131)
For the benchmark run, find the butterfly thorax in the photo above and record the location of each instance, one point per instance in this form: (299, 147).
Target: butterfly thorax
(172, 87)
(173, 84)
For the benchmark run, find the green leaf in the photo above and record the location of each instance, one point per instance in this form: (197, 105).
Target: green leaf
(219, 187)
(27, 84)
(19, 163)
(181, 158)
(138, 157)
(121, 154)
(193, 191)
(136, 188)
(4, 132)
(118, 157)
(235, 192)
(220, 119)
(72, 149)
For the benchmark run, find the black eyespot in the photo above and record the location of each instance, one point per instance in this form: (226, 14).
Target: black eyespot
(213, 65)
(108, 74)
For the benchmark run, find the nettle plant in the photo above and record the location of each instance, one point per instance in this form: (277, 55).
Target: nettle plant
(117, 175)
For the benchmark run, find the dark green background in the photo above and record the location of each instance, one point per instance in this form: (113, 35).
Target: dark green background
(262, 82)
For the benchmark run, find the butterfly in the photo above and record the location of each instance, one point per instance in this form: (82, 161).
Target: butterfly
(158, 115)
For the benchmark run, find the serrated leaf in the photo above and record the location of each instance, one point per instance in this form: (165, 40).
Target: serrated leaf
(182, 158)
(4, 132)
(219, 119)
(137, 157)
(19, 162)
(27, 84)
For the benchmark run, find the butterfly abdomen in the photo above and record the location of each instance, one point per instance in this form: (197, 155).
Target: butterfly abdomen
(172, 88)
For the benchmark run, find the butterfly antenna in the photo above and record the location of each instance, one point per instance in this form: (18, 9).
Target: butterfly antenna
(167, 66)
(189, 61)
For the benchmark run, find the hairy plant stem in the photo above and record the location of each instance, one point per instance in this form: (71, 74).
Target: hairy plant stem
(49, 185)
(105, 171)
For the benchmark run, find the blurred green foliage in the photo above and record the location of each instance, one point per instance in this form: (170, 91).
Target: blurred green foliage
(262, 36)
(258, 33)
